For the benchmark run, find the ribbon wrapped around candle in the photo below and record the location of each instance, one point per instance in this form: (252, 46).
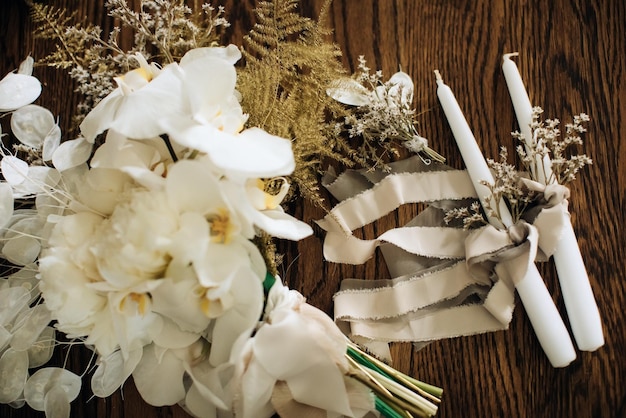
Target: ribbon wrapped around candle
(538, 303)
(432, 294)
(580, 303)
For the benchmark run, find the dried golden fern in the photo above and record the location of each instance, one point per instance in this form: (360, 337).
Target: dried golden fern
(289, 66)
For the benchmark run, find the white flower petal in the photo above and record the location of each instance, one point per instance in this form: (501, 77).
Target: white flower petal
(207, 94)
(17, 90)
(211, 385)
(159, 382)
(172, 337)
(71, 153)
(240, 319)
(101, 116)
(14, 372)
(31, 124)
(230, 54)
(251, 154)
(182, 187)
(40, 383)
(198, 405)
(179, 302)
(140, 114)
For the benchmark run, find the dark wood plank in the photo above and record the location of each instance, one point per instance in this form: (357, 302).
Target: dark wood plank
(572, 59)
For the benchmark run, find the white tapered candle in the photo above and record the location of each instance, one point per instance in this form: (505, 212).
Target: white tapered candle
(538, 303)
(580, 303)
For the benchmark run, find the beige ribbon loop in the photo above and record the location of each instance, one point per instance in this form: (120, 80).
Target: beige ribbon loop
(390, 193)
(552, 194)
(550, 216)
(433, 294)
(489, 246)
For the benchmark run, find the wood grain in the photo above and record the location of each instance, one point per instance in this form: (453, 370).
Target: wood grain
(572, 60)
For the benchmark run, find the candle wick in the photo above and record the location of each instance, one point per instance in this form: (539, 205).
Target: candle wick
(509, 55)
(438, 76)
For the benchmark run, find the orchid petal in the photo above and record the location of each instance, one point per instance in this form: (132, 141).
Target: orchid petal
(282, 225)
(198, 405)
(253, 153)
(101, 116)
(230, 54)
(159, 382)
(179, 302)
(31, 124)
(17, 90)
(172, 337)
(138, 114)
(206, 94)
(240, 319)
(302, 371)
(72, 153)
(182, 189)
(210, 384)
(40, 383)
(14, 372)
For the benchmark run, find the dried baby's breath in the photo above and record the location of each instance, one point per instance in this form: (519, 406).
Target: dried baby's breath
(547, 141)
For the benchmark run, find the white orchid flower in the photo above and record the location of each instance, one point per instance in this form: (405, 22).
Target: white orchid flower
(314, 357)
(147, 96)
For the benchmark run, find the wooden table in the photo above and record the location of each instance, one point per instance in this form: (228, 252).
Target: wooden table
(572, 60)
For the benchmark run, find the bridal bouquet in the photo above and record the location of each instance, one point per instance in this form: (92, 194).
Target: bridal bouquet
(147, 237)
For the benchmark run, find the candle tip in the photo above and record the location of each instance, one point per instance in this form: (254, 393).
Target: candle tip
(509, 55)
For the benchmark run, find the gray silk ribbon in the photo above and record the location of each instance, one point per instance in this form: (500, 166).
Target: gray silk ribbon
(446, 281)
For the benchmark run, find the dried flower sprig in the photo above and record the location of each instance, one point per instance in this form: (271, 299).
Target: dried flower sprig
(507, 188)
(167, 28)
(470, 216)
(547, 140)
(547, 145)
(382, 115)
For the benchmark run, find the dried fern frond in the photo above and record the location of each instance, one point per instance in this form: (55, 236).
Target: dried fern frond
(289, 66)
